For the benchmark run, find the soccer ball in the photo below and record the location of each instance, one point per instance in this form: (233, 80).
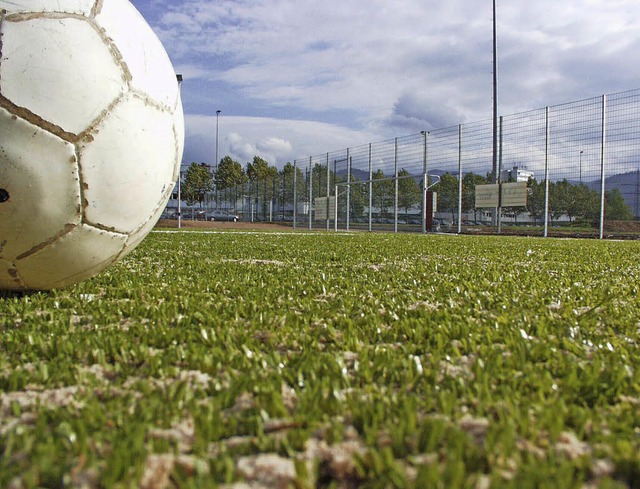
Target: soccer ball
(91, 138)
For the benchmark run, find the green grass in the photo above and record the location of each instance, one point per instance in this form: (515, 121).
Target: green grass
(371, 360)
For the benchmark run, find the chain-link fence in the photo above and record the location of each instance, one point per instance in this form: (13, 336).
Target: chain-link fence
(568, 169)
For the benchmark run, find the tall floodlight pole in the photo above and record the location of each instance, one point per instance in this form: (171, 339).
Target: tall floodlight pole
(217, 127)
(495, 102)
(215, 164)
(580, 160)
(179, 77)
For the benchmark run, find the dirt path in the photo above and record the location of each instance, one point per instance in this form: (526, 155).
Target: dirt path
(245, 226)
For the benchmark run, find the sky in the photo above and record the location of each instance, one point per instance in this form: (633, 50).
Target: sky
(300, 78)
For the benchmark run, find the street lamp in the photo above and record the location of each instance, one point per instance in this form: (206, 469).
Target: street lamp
(495, 96)
(494, 166)
(217, 127)
(425, 184)
(580, 159)
(215, 165)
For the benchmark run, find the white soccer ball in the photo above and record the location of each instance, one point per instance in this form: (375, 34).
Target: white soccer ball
(91, 137)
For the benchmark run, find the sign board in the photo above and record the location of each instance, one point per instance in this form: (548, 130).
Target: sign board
(487, 195)
(322, 210)
(514, 194)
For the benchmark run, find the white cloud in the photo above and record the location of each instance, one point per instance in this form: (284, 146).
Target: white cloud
(275, 145)
(319, 54)
(384, 68)
(417, 113)
(277, 141)
(240, 149)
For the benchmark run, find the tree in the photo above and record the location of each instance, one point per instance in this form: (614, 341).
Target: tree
(409, 192)
(587, 203)
(357, 197)
(556, 201)
(319, 176)
(615, 207)
(229, 174)
(535, 200)
(262, 175)
(574, 201)
(197, 183)
(287, 176)
(259, 170)
(469, 182)
(287, 173)
(568, 199)
(447, 189)
(382, 192)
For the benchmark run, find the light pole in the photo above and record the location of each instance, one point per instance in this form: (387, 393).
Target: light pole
(179, 78)
(425, 184)
(217, 127)
(580, 159)
(215, 165)
(494, 168)
(495, 96)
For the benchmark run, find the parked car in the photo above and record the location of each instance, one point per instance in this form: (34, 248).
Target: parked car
(222, 215)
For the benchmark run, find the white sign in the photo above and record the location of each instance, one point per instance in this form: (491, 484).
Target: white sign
(487, 195)
(514, 194)
(324, 211)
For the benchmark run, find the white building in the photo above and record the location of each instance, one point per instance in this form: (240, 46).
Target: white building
(516, 174)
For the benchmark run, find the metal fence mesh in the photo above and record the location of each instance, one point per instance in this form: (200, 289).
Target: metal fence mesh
(580, 163)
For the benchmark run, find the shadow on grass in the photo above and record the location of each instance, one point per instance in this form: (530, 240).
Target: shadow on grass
(16, 294)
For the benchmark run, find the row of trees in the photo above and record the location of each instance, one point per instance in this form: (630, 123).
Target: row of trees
(576, 202)
(199, 180)
(269, 183)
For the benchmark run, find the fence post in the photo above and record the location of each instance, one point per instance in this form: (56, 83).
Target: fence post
(295, 193)
(459, 178)
(425, 183)
(602, 164)
(370, 189)
(546, 174)
(179, 197)
(310, 183)
(499, 178)
(395, 174)
(348, 188)
(335, 211)
(328, 192)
